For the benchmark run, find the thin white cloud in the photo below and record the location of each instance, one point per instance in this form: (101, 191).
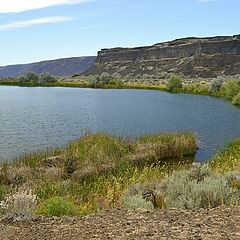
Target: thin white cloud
(16, 6)
(32, 22)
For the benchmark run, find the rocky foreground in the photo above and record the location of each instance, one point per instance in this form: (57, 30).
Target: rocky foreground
(220, 223)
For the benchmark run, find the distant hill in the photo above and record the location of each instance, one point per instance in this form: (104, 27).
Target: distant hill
(193, 57)
(58, 67)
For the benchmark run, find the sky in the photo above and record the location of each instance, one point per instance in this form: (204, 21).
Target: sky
(36, 30)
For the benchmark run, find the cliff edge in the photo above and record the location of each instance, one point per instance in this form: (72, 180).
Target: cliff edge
(192, 57)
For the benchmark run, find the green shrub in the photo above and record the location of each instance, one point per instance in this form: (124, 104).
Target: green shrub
(57, 206)
(196, 88)
(32, 77)
(231, 89)
(236, 99)
(174, 83)
(216, 85)
(105, 78)
(46, 78)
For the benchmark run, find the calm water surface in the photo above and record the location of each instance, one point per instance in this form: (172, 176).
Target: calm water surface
(37, 118)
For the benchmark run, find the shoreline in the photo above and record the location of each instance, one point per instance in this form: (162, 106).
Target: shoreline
(86, 85)
(107, 86)
(116, 87)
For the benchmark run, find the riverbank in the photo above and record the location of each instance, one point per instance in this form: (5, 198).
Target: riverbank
(86, 85)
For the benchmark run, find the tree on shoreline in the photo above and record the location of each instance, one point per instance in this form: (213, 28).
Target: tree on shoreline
(174, 83)
(32, 77)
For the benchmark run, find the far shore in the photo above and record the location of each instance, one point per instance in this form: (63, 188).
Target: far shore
(123, 85)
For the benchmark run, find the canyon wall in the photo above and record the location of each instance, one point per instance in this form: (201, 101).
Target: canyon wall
(192, 57)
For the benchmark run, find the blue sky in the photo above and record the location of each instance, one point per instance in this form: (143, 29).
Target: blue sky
(35, 30)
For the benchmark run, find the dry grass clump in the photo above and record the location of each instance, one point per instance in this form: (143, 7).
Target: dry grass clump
(155, 148)
(19, 206)
(12, 175)
(96, 150)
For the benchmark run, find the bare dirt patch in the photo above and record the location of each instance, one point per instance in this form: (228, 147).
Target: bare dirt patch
(220, 223)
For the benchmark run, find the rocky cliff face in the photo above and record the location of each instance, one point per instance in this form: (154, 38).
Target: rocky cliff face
(193, 57)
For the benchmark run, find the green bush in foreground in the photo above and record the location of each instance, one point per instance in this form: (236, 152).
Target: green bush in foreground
(57, 206)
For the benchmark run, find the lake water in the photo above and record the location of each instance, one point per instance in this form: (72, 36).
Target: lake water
(37, 118)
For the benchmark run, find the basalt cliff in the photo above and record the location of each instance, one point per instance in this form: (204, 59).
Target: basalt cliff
(192, 57)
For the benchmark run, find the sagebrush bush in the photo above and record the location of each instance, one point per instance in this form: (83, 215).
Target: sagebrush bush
(143, 196)
(57, 206)
(198, 172)
(198, 188)
(137, 202)
(19, 206)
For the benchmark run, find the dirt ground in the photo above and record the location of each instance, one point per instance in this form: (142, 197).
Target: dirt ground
(216, 224)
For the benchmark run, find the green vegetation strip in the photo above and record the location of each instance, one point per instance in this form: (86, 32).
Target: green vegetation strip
(228, 88)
